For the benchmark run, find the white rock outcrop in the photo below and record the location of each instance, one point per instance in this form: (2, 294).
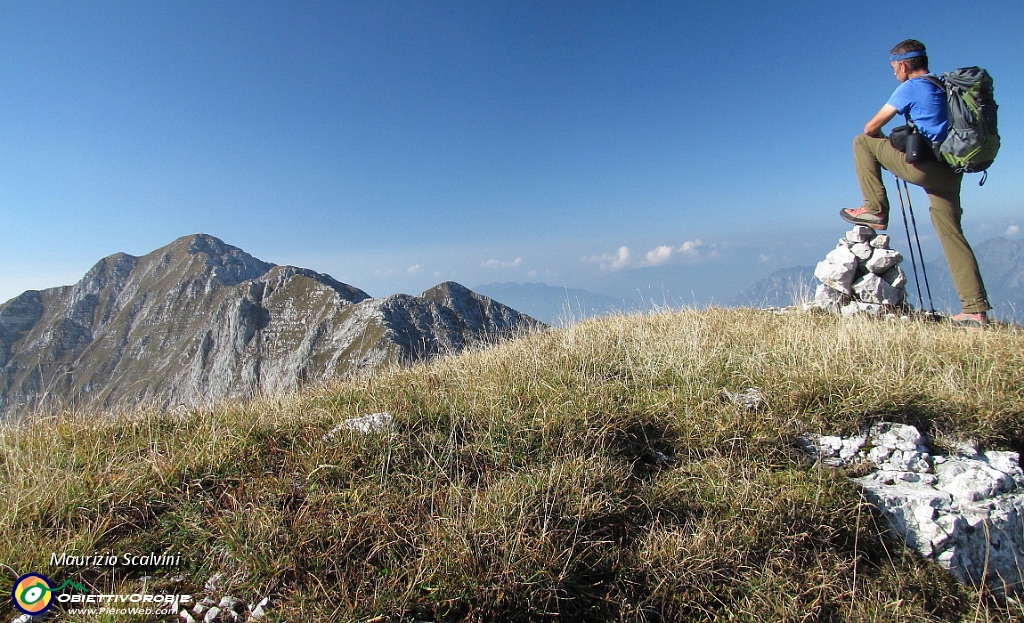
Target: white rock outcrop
(750, 399)
(370, 423)
(964, 510)
(862, 274)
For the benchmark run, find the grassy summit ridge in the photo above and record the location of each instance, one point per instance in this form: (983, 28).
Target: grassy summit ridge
(592, 473)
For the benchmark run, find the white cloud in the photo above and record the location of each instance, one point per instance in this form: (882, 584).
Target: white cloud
(691, 247)
(608, 261)
(658, 256)
(502, 264)
(1012, 231)
(621, 259)
(415, 269)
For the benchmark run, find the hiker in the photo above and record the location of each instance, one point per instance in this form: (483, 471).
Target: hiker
(924, 105)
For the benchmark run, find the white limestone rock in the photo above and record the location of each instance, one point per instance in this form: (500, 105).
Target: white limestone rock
(855, 308)
(828, 298)
(873, 289)
(370, 423)
(862, 250)
(896, 278)
(971, 480)
(750, 399)
(833, 450)
(259, 610)
(228, 602)
(964, 510)
(838, 269)
(860, 233)
(882, 260)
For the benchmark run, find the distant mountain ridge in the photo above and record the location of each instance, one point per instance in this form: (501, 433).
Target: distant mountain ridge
(200, 320)
(782, 288)
(554, 304)
(1002, 268)
(1001, 260)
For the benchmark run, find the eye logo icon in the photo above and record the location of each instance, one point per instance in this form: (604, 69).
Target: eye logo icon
(32, 593)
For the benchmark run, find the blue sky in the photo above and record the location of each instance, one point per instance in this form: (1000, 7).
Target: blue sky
(395, 145)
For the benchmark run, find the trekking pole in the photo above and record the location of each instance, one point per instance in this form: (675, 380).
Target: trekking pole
(906, 227)
(920, 253)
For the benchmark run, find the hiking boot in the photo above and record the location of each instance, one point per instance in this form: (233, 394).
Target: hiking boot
(977, 321)
(861, 216)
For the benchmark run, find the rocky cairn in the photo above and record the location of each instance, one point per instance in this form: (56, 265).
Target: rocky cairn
(861, 275)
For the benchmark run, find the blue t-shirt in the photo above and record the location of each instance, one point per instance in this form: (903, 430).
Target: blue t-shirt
(926, 104)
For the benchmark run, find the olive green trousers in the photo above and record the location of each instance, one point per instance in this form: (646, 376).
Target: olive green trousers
(942, 185)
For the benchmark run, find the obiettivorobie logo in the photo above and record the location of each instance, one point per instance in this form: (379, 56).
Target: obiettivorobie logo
(33, 592)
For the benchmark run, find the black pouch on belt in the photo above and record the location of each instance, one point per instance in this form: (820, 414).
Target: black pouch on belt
(916, 146)
(919, 148)
(898, 137)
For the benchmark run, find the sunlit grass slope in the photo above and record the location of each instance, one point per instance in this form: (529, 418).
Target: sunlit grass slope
(592, 473)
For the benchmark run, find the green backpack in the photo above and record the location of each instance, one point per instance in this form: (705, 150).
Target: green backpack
(973, 140)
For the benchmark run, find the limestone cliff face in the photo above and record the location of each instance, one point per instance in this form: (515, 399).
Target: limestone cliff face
(200, 320)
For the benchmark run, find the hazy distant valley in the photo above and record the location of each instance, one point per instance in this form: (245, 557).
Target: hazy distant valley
(1001, 260)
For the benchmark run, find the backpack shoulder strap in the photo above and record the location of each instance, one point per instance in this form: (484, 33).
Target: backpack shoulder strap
(939, 82)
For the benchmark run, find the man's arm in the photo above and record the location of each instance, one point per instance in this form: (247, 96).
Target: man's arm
(882, 117)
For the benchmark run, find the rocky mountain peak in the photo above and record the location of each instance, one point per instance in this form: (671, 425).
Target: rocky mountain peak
(446, 289)
(450, 292)
(473, 308)
(200, 320)
(227, 264)
(113, 269)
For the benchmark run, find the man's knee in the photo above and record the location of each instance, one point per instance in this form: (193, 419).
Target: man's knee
(870, 148)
